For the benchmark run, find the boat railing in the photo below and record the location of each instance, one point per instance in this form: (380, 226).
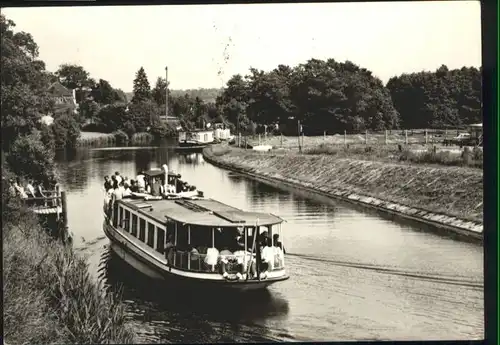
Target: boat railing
(197, 262)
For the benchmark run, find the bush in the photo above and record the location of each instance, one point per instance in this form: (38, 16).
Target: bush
(66, 132)
(121, 138)
(29, 157)
(162, 130)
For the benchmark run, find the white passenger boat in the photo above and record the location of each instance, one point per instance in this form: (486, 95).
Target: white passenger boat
(199, 242)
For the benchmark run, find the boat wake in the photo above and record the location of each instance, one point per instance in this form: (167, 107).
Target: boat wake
(443, 279)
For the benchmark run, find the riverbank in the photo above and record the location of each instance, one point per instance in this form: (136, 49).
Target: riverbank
(49, 295)
(96, 139)
(450, 198)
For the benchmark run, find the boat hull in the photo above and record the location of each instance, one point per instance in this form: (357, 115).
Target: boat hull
(140, 263)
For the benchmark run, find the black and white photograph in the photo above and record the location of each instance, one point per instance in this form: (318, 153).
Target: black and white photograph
(242, 173)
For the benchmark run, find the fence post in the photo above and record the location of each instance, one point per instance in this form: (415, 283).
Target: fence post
(239, 139)
(324, 135)
(57, 201)
(386, 136)
(281, 139)
(64, 207)
(426, 137)
(406, 137)
(345, 137)
(259, 139)
(366, 137)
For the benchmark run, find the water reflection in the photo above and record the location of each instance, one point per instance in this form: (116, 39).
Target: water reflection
(183, 310)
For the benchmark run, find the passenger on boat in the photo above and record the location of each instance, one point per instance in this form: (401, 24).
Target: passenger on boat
(212, 257)
(156, 188)
(107, 183)
(133, 187)
(141, 184)
(267, 259)
(126, 190)
(225, 256)
(118, 177)
(244, 260)
(277, 243)
(170, 250)
(194, 256)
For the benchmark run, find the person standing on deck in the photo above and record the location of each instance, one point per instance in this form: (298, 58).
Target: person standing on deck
(170, 250)
(141, 184)
(118, 177)
(107, 183)
(267, 259)
(117, 195)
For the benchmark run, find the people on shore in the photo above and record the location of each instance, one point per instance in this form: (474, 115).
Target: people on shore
(20, 189)
(30, 189)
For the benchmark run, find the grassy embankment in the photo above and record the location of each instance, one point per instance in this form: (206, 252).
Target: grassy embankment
(416, 151)
(96, 139)
(49, 295)
(453, 191)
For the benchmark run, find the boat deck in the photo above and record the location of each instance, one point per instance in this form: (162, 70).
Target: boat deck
(203, 212)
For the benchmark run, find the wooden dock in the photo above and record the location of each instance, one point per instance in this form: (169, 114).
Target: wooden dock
(52, 211)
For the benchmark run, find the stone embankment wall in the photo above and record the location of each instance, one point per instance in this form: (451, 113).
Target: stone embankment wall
(449, 198)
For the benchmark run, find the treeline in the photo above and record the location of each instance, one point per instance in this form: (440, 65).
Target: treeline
(441, 99)
(335, 96)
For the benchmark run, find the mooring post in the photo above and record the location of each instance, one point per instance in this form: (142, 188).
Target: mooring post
(345, 137)
(426, 137)
(302, 139)
(366, 137)
(57, 201)
(281, 135)
(324, 135)
(386, 136)
(239, 139)
(406, 137)
(259, 139)
(64, 207)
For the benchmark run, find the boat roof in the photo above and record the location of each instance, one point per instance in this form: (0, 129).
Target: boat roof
(158, 172)
(202, 212)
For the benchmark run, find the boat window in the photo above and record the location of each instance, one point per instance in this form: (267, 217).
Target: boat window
(126, 221)
(182, 236)
(160, 240)
(151, 235)
(201, 236)
(120, 216)
(133, 230)
(171, 228)
(142, 230)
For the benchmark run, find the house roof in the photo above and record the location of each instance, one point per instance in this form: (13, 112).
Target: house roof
(203, 212)
(59, 89)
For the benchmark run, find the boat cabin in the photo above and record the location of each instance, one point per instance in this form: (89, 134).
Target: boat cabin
(207, 235)
(197, 136)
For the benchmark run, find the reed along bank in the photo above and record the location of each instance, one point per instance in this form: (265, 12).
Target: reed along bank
(445, 197)
(49, 295)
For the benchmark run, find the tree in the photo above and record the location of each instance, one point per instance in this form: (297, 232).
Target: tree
(159, 92)
(24, 82)
(74, 76)
(142, 89)
(66, 132)
(104, 93)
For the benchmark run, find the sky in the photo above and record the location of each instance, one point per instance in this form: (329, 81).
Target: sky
(204, 45)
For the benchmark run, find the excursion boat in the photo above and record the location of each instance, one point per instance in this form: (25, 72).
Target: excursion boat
(196, 140)
(186, 242)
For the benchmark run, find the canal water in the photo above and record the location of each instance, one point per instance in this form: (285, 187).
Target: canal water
(354, 275)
